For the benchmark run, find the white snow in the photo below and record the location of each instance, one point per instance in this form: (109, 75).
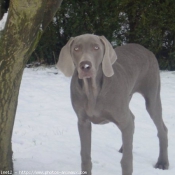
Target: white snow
(45, 136)
(3, 21)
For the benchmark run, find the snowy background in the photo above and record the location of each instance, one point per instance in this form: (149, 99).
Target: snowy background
(45, 136)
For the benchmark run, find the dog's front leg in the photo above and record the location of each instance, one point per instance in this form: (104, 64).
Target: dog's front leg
(127, 138)
(84, 128)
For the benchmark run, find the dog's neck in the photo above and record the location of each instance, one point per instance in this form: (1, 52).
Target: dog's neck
(92, 86)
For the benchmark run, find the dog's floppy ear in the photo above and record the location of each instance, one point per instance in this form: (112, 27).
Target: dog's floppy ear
(109, 58)
(65, 62)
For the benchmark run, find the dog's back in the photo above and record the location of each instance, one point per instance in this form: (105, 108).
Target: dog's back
(139, 65)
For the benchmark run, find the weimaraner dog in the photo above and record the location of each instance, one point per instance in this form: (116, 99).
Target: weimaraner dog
(102, 85)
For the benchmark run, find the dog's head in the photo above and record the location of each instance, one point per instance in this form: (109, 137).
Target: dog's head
(86, 53)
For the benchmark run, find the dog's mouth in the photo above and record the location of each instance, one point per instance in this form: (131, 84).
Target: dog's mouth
(83, 75)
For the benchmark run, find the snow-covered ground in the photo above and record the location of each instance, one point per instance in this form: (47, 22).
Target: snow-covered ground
(3, 21)
(45, 136)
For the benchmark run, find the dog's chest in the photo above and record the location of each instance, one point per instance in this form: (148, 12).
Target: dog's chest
(93, 108)
(90, 101)
(95, 112)
(93, 102)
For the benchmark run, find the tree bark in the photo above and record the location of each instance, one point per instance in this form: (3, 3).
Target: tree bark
(25, 24)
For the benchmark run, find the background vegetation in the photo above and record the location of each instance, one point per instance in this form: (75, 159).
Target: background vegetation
(150, 23)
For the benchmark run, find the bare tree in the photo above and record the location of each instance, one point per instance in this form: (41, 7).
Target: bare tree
(25, 24)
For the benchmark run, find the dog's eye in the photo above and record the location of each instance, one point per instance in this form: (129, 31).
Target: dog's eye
(76, 48)
(96, 47)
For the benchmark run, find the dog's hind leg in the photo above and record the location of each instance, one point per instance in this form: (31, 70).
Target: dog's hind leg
(154, 108)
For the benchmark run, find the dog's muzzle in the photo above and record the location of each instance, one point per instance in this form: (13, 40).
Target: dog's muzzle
(85, 68)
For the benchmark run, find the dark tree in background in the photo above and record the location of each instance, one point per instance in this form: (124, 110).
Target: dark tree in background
(152, 24)
(147, 22)
(74, 18)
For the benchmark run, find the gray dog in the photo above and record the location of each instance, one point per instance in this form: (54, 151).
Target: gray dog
(102, 86)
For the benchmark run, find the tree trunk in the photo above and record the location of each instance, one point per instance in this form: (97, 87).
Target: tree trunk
(25, 24)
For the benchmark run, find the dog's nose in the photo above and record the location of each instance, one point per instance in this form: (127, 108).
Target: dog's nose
(85, 65)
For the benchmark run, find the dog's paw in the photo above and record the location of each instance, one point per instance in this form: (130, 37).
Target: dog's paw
(162, 165)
